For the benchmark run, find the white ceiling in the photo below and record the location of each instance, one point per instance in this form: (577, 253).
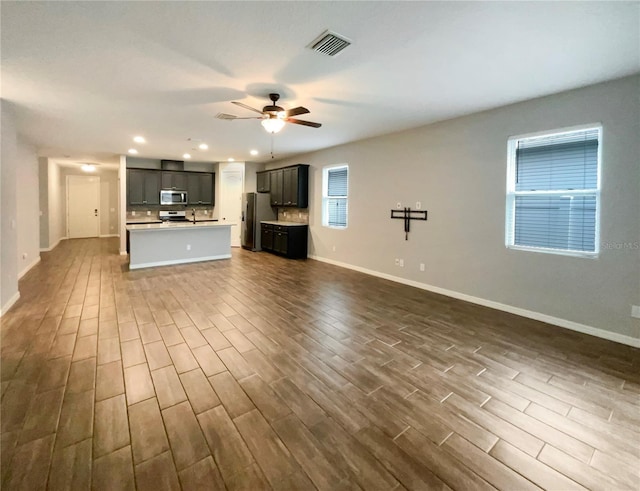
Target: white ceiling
(86, 77)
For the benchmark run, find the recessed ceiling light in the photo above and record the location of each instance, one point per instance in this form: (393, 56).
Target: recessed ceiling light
(230, 159)
(186, 156)
(139, 139)
(253, 152)
(203, 146)
(88, 168)
(133, 151)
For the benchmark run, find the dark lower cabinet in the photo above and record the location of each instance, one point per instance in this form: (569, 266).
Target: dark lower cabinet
(286, 240)
(266, 236)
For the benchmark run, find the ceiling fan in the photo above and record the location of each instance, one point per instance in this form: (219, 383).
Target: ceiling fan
(274, 117)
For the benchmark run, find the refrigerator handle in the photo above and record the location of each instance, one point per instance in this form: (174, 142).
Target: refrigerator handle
(247, 212)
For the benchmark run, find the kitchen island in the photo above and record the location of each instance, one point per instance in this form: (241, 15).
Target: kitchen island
(162, 244)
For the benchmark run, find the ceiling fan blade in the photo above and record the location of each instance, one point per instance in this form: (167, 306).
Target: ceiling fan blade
(231, 117)
(246, 107)
(296, 111)
(304, 123)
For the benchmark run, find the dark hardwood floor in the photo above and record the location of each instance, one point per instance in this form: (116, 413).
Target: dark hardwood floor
(260, 372)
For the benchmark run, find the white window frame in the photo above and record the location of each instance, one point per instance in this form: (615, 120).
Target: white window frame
(325, 197)
(512, 193)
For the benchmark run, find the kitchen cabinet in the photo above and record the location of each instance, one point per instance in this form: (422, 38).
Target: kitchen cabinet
(200, 188)
(290, 186)
(275, 178)
(143, 187)
(174, 180)
(287, 240)
(263, 184)
(266, 236)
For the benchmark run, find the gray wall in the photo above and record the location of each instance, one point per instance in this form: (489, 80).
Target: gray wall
(28, 207)
(56, 211)
(457, 169)
(43, 185)
(8, 214)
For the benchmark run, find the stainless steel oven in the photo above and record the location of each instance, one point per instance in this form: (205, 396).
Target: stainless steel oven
(173, 197)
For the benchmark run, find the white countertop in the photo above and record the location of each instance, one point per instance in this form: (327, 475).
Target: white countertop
(284, 224)
(177, 225)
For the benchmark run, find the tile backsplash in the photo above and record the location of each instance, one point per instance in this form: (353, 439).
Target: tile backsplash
(141, 214)
(296, 215)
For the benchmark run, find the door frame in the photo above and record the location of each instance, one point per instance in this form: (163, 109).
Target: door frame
(67, 200)
(235, 167)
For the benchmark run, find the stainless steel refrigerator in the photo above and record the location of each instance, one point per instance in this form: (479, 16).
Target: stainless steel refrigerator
(256, 208)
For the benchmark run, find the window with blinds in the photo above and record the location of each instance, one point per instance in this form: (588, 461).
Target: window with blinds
(553, 192)
(335, 196)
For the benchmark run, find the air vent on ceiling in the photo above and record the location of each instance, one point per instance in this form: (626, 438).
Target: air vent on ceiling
(329, 43)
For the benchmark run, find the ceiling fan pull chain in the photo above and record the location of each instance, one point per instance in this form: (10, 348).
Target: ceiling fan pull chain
(272, 145)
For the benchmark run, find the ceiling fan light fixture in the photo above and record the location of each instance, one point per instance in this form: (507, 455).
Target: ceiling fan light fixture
(273, 125)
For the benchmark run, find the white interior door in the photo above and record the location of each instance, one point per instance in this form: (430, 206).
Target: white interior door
(83, 206)
(231, 186)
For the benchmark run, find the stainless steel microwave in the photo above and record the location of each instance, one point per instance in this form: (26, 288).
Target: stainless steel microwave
(173, 197)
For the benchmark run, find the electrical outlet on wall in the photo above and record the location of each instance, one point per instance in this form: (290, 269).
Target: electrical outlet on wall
(635, 311)
(148, 213)
(188, 247)
(399, 205)
(418, 205)
(133, 213)
(334, 248)
(401, 263)
(397, 261)
(421, 266)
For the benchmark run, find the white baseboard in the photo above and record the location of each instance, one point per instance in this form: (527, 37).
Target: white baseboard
(9, 304)
(108, 235)
(50, 248)
(28, 268)
(180, 261)
(556, 321)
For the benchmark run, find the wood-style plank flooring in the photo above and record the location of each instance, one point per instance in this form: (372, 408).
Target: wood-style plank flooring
(265, 373)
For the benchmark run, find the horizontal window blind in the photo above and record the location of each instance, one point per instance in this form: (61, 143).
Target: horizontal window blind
(556, 222)
(555, 193)
(336, 200)
(337, 210)
(337, 185)
(562, 162)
